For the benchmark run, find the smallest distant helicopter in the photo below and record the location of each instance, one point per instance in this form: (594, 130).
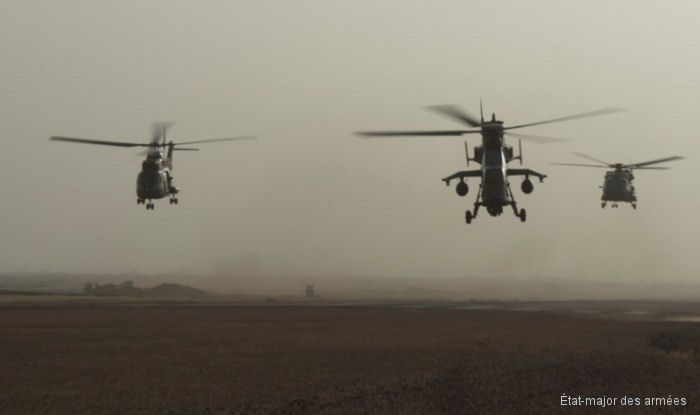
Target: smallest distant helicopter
(617, 186)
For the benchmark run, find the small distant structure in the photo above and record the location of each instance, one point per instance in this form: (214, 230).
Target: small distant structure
(310, 293)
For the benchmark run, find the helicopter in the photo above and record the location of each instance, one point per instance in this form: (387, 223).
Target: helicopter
(617, 186)
(493, 155)
(155, 181)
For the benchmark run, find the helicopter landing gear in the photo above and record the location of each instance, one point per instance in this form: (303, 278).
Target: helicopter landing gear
(602, 205)
(150, 206)
(140, 201)
(521, 214)
(173, 200)
(614, 205)
(634, 205)
(468, 216)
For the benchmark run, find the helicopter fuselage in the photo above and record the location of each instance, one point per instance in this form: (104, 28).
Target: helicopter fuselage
(494, 181)
(618, 187)
(155, 179)
(494, 156)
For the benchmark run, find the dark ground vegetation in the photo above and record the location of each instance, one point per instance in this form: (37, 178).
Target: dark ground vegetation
(336, 360)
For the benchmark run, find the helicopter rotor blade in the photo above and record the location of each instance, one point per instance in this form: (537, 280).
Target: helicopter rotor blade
(456, 113)
(646, 163)
(586, 156)
(216, 140)
(100, 142)
(184, 149)
(415, 133)
(579, 165)
(595, 113)
(540, 139)
(650, 168)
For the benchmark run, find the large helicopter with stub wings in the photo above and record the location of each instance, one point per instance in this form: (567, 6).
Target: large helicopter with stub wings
(493, 155)
(617, 185)
(155, 181)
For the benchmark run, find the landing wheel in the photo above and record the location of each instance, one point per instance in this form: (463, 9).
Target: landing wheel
(522, 215)
(602, 205)
(139, 201)
(634, 205)
(468, 216)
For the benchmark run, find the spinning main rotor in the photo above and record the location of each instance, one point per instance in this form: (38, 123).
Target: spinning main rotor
(458, 114)
(645, 165)
(158, 140)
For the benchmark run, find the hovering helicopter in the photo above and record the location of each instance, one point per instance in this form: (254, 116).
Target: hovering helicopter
(617, 186)
(155, 181)
(493, 155)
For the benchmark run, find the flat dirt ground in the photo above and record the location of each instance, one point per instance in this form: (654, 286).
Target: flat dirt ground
(338, 360)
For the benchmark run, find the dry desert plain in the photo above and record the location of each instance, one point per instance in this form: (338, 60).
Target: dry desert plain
(338, 359)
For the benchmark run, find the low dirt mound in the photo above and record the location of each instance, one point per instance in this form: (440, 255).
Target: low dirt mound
(173, 291)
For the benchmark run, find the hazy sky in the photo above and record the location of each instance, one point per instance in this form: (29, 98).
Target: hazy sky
(309, 197)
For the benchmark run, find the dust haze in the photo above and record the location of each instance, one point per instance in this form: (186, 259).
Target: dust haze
(308, 201)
